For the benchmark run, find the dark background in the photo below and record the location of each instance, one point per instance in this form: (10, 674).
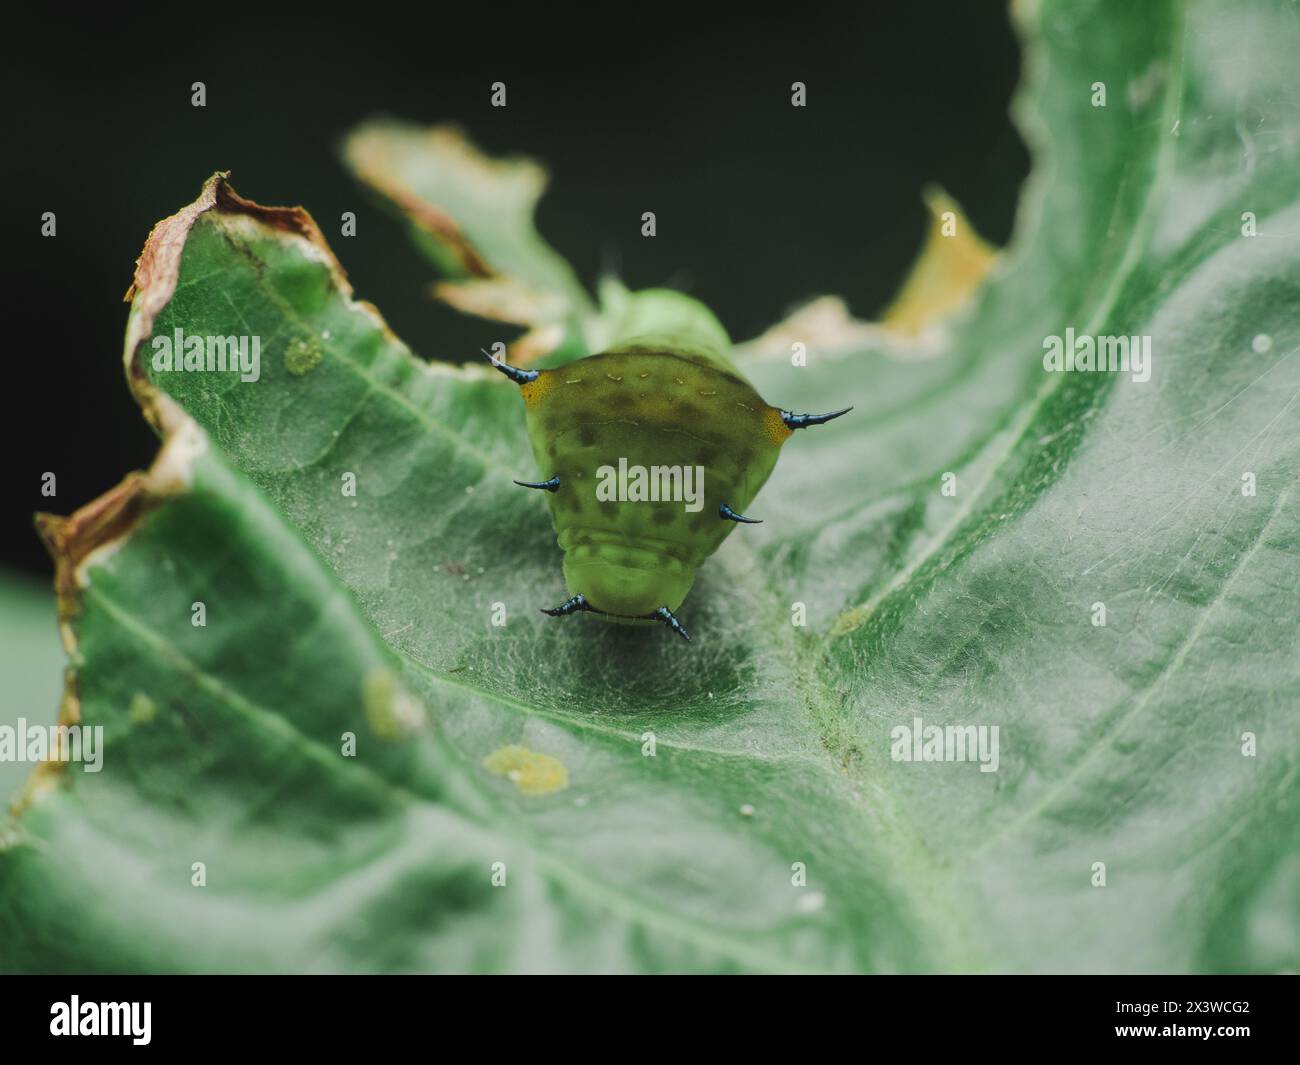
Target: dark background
(687, 113)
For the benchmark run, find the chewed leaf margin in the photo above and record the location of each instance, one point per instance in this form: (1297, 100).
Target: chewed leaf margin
(99, 527)
(102, 525)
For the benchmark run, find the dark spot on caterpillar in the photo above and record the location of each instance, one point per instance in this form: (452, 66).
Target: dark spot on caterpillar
(586, 436)
(663, 516)
(744, 458)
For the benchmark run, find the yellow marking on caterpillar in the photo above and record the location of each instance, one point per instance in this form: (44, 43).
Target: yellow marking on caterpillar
(534, 391)
(774, 428)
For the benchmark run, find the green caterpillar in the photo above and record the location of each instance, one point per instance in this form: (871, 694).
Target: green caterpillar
(667, 403)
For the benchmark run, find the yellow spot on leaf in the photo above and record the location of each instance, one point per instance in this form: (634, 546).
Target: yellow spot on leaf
(850, 620)
(393, 713)
(142, 709)
(951, 266)
(532, 773)
(302, 357)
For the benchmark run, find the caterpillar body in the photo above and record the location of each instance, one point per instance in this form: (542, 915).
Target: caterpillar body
(673, 408)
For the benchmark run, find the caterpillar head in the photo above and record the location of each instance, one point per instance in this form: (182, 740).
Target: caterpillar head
(625, 579)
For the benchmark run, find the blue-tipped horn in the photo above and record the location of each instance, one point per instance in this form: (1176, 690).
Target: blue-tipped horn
(726, 512)
(569, 606)
(552, 485)
(802, 421)
(666, 616)
(519, 377)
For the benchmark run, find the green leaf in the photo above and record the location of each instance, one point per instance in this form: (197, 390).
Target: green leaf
(473, 216)
(530, 744)
(29, 637)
